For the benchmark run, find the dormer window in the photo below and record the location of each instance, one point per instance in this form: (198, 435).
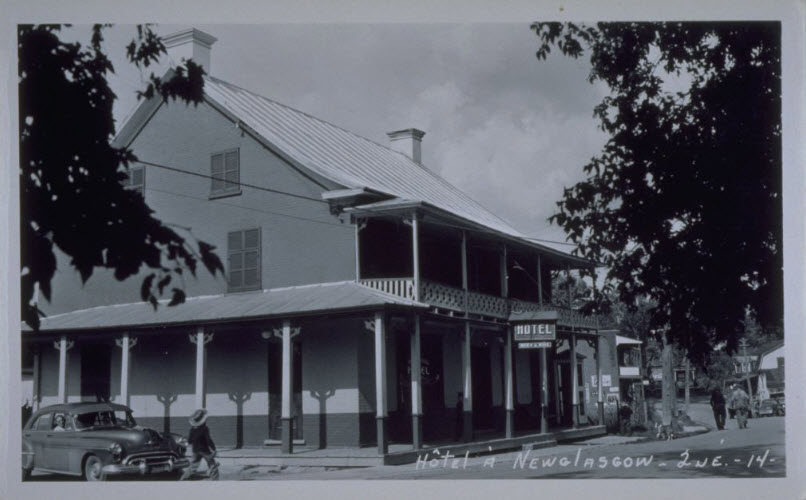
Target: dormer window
(225, 171)
(136, 180)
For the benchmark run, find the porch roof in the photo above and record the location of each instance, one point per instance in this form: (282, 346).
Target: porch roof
(302, 300)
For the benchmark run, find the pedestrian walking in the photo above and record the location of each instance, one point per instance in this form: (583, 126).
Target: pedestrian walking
(203, 446)
(718, 407)
(740, 402)
(625, 419)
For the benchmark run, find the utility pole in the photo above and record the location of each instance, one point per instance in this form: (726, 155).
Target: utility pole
(688, 368)
(743, 344)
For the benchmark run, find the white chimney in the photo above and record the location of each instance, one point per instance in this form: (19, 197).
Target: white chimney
(408, 142)
(190, 44)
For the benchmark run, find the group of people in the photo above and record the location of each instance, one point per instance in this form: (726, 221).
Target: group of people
(738, 403)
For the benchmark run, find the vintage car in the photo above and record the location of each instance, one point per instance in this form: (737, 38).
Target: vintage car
(96, 441)
(772, 407)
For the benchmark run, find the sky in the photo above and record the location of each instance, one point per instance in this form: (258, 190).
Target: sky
(509, 130)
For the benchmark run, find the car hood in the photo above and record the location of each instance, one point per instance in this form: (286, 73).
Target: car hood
(132, 439)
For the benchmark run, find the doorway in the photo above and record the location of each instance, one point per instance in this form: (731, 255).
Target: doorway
(96, 371)
(482, 387)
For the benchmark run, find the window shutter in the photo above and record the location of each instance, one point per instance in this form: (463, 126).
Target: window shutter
(244, 260)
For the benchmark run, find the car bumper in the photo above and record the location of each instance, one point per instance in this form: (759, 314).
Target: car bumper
(121, 469)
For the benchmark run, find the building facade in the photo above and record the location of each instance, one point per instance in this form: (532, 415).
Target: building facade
(366, 300)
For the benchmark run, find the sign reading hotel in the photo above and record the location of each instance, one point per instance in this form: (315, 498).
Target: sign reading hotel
(535, 334)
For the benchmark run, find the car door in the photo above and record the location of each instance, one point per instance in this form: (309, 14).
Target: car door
(59, 443)
(36, 436)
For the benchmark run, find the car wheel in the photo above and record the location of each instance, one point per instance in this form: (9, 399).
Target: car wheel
(93, 469)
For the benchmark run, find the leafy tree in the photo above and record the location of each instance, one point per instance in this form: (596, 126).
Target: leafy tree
(71, 196)
(683, 205)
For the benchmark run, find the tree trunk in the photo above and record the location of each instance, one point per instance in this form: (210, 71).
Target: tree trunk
(668, 385)
(687, 365)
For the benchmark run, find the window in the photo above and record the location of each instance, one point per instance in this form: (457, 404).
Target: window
(136, 180)
(244, 260)
(225, 170)
(43, 423)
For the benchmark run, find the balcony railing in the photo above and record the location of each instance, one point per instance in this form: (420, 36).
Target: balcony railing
(456, 300)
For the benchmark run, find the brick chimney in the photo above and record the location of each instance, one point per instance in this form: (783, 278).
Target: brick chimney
(190, 44)
(408, 142)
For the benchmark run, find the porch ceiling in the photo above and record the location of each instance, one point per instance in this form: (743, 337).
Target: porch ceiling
(278, 302)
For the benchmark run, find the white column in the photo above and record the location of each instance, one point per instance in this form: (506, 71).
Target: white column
(464, 269)
(415, 251)
(380, 366)
(539, 281)
(509, 389)
(125, 343)
(416, 393)
(288, 370)
(544, 391)
(200, 339)
(35, 396)
(63, 345)
(467, 374)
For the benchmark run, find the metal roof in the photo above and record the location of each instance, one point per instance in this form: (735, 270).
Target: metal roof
(627, 341)
(278, 302)
(344, 157)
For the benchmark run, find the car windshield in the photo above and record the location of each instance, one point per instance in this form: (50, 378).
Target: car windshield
(104, 419)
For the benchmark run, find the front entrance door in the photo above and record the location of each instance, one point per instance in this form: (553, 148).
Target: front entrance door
(276, 389)
(96, 370)
(482, 387)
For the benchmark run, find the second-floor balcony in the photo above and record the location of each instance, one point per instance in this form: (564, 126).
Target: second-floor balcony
(458, 301)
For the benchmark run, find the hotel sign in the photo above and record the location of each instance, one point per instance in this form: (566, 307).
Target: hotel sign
(536, 331)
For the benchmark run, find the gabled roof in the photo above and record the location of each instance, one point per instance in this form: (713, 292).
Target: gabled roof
(336, 155)
(339, 296)
(344, 157)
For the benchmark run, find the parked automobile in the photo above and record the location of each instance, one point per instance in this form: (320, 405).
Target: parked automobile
(95, 441)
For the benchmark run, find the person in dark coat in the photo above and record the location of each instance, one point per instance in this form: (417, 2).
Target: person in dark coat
(718, 406)
(460, 417)
(203, 445)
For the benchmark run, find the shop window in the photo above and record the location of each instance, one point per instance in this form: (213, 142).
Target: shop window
(225, 173)
(243, 254)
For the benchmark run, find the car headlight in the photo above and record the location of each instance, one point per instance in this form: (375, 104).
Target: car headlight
(116, 450)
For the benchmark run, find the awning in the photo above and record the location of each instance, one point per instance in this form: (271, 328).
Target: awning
(627, 341)
(341, 296)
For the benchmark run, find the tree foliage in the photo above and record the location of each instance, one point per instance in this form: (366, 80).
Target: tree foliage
(683, 204)
(71, 192)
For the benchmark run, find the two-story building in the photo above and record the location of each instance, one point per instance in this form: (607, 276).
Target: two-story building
(366, 299)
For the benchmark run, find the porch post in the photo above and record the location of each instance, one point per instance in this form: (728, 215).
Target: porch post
(380, 382)
(415, 251)
(464, 270)
(467, 376)
(544, 392)
(35, 396)
(509, 386)
(125, 343)
(539, 281)
(286, 418)
(416, 397)
(599, 398)
(200, 339)
(574, 382)
(63, 345)
(357, 250)
(502, 266)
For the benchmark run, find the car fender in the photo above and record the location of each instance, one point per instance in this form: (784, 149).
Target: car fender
(27, 455)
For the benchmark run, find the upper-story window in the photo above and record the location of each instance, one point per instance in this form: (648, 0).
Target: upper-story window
(136, 179)
(244, 260)
(225, 170)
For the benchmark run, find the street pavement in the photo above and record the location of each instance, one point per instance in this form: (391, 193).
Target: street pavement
(754, 452)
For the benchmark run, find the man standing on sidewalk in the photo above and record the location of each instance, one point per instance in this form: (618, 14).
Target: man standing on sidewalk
(718, 406)
(740, 402)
